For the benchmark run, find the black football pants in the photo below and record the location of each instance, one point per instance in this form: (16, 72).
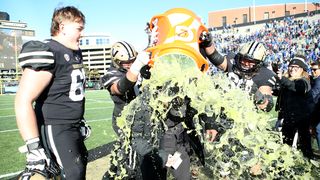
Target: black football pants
(67, 145)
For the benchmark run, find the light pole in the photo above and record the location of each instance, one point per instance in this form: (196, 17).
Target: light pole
(254, 11)
(15, 52)
(305, 6)
(316, 6)
(273, 14)
(235, 22)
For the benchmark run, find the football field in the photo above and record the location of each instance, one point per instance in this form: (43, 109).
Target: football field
(98, 114)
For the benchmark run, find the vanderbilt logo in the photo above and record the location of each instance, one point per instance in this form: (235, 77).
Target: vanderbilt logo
(66, 57)
(114, 52)
(77, 58)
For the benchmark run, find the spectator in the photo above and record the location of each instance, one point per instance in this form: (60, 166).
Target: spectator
(315, 92)
(292, 105)
(53, 77)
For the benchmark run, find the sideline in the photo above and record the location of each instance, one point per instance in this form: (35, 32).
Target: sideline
(94, 154)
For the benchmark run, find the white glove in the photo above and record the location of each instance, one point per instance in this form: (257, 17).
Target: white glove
(143, 59)
(174, 161)
(37, 159)
(36, 156)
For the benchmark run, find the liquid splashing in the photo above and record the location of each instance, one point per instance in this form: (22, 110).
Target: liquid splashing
(246, 147)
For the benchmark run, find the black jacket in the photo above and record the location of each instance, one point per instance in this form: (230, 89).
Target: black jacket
(314, 101)
(292, 102)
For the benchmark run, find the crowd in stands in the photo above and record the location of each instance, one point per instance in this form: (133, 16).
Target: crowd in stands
(284, 39)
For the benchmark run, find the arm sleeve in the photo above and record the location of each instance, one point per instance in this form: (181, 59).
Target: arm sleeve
(216, 58)
(124, 85)
(36, 55)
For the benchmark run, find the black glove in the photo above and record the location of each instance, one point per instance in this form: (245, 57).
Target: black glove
(85, 129)
(259, 98)
(145, 72)
(205, 39)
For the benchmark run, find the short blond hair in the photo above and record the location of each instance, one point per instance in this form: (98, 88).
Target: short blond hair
(69, 13)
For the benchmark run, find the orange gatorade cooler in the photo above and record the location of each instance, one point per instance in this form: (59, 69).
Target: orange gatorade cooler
(178, 31)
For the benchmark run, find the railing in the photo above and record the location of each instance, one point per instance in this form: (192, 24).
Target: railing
(305, 14)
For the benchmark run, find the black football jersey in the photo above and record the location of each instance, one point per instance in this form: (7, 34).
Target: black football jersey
(63, 99)
(113, 75)
(264, 77)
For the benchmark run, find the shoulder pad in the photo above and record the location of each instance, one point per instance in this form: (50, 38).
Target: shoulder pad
(36, 55)
(111, 76)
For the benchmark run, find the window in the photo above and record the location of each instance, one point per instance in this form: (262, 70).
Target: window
(245, 18)
(287, 13)
(87, 41)
(224, 21)
(98, 41)
(80, 42)
(266, 15)
(102, 41)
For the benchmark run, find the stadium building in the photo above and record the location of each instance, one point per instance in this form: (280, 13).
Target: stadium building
(12, 36)
(96, 52)
(258, 14)
(96, 57)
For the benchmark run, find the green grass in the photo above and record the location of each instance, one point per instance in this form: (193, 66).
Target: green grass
(98, 114)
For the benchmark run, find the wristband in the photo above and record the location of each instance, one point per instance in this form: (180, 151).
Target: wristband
(33, 144)
(216, 58)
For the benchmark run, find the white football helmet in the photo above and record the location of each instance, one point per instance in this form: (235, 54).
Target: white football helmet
(122, 52)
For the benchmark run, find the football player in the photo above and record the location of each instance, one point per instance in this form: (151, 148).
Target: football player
(246, 69)
(49, 104)
(122, 79)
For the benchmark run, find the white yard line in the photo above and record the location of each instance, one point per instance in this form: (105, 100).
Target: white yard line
(6, 116)
(6, 108)
(10, 174)
(95, 120)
